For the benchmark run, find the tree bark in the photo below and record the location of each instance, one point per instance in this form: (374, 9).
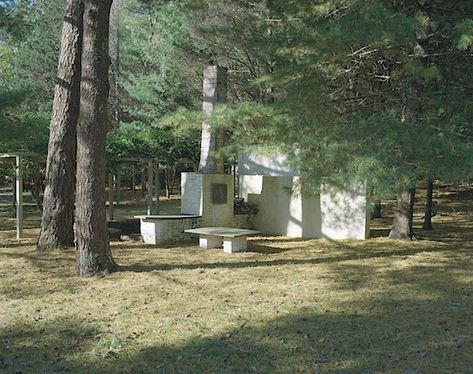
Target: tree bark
(403, 216)
(215, 91)
(412, 109)
(93, 254)
(427, 225)
(58, 200)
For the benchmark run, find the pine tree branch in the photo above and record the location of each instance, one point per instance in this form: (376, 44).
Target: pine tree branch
(15, 7)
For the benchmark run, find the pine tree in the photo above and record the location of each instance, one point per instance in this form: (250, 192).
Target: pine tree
(93, 254)
(362, 86)
(58, 202)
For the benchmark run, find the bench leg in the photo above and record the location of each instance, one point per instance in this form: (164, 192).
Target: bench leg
(232, 245)
(210, 241)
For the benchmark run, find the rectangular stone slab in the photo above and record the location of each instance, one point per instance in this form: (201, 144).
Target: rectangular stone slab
(167, 216)
(227, 232)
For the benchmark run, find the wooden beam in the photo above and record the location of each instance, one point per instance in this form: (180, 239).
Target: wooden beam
(22, 154)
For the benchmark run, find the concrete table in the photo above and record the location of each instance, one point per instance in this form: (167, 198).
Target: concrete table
(234, 240)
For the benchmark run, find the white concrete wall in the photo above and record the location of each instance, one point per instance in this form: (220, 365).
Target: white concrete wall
(197, 198)
(191, 193)
(269, 165)
(250, 184)
(217, 214)
(281, 212)
(345, 214)
(334, 215)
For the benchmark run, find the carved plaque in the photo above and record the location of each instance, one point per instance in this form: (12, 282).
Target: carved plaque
(219, 193)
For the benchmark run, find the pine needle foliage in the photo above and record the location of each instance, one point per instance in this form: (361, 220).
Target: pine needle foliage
(373, 91)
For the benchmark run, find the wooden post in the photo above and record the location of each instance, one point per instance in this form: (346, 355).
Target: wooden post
(151, 208)
(143, 180)
(19, 197)
(235, 179)
(13, 185)
(158, 187)
(118, 186)
(110, 196)
(133, 179)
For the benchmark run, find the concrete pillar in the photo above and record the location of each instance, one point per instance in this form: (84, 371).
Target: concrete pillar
(19, 197)
(215, 91)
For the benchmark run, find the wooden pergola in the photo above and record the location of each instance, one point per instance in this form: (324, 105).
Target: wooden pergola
(153, 184)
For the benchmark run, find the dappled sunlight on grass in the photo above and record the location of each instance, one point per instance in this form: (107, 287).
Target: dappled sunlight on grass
(285, 306)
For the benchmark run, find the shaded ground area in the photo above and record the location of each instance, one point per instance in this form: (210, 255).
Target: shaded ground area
(286, 306)
(130, 206)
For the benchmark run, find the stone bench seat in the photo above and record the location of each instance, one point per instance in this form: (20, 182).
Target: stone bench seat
(234, 239)
(160, 217)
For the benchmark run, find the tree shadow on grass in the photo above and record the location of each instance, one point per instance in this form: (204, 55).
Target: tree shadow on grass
(262, 253)
(389, 335)
(348, 255)
(379, 233)
(46, 261)
(10, 245)
(422, 323)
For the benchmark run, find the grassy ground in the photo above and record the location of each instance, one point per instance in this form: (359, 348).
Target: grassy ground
(286, 306)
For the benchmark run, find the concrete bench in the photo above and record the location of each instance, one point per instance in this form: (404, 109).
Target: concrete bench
(234, 240)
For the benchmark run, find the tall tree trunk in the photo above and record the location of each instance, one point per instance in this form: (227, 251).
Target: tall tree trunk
(58, 201)
(427, 225)
(403, 216)
(412, 109)
(215, 91)
(93, 253)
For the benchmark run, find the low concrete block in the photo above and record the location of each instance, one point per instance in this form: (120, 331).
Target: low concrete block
(209, 242)
(233, 245)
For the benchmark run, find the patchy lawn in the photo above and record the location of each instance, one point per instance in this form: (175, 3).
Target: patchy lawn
(286, 306)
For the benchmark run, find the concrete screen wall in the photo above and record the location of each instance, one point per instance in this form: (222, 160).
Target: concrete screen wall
(333, 214)
(281, 212)
(255, 164)
(345, 214)
(202, 195)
